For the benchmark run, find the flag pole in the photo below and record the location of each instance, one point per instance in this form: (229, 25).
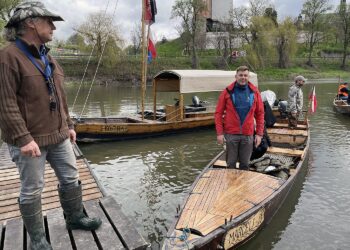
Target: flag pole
(144, 73)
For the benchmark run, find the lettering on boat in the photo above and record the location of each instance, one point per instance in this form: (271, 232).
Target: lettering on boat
(244, 230)
(115, 129)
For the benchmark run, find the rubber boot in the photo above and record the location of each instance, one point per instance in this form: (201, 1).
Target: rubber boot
(72, 204)
(33, 220)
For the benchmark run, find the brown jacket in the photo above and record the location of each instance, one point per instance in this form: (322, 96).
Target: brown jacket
(24, 100)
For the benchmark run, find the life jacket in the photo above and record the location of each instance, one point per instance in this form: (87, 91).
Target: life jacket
(340, 92)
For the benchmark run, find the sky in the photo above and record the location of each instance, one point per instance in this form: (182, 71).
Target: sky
(128, 14)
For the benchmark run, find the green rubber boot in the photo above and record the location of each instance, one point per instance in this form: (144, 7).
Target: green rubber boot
(72, 204)
(33, 221)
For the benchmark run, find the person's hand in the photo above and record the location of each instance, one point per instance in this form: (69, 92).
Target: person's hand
(257, 140)
(220, 139)
(72, 135)
(31, 149)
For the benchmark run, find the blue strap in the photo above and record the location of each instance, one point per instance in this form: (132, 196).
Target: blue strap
(47, 72)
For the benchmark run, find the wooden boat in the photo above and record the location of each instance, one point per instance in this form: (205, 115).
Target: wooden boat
(170, 119)
(227, 207)
(341, 106)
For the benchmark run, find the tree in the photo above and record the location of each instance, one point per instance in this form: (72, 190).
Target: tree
(285, 40)
(5, 8)
(314, 23)
(261, 45)
(97, 29)
(272, 14)
(190, 13)
(344, 21)
(136, 38)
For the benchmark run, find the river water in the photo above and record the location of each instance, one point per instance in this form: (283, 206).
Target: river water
(150, 177)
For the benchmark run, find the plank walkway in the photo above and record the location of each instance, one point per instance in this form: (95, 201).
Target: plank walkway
(116, 232)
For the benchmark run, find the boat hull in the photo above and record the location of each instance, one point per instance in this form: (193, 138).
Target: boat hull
(341, 106)
(114, 129)
(237, 230)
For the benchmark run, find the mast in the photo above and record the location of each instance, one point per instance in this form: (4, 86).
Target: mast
(144, 62)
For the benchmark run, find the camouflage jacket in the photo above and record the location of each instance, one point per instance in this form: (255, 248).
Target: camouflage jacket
(295, 98)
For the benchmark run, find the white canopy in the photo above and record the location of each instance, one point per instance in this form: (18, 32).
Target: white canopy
(192, 81)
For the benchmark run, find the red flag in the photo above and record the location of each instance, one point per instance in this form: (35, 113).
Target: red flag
(152, 53)
(313, 100)
(151, 11)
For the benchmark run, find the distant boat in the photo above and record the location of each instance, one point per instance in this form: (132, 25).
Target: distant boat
(170, 119)
(227, 207)
(341, 106)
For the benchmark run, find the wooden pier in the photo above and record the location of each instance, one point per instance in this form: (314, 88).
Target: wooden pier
(116, 231)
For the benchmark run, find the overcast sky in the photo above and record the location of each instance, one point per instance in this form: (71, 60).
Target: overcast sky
(128, 12)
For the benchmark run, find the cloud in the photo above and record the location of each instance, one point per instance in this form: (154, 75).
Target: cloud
(128, 13)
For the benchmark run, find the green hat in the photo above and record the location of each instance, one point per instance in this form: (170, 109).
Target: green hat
(30, 9)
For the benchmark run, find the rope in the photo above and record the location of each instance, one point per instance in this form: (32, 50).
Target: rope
(186, 232)
(99, 60)
(87, 64)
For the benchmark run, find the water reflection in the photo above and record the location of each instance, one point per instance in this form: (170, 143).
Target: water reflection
(150, 177)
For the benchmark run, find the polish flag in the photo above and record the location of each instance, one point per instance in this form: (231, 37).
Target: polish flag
(313, 100)
(152, 53)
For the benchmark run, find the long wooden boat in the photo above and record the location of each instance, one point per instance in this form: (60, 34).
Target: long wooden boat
(227, 207)
(341, 106)
(171, 118)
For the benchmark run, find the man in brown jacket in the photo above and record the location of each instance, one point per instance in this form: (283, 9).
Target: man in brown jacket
(35, 122)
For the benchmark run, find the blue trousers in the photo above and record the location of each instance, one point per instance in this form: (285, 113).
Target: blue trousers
(31, 169)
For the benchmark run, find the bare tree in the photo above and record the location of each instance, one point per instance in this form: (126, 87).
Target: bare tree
(344, 21)
(190, 13)
(97, 28)
(314, 11)
(136, 38)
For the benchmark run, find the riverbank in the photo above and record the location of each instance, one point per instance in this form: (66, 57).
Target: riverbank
(126, 71)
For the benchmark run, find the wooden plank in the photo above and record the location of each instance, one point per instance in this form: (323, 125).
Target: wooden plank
(126, 230)
(285, 151)
(48, 192)
(285, 125)
(59, 237)
(108, 238)
(220, 163)
(291, 132)
(84, 240)
(14, 235)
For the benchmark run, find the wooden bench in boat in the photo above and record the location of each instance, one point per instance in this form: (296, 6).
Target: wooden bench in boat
(116, 232)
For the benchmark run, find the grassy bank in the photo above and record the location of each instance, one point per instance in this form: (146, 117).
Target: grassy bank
(128, 68)
(171, 56)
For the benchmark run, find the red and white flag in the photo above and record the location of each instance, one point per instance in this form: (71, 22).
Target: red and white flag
(152, 53)
(313, 100)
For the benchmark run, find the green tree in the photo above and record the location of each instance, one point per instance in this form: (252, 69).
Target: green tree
(314, 23)
(285, 37)
(5, 8)
(344, 21)
(272, 14)
(192, 23)
(261, 29)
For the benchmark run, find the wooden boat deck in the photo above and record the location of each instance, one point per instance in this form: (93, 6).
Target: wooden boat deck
(116, 231)
(221, 194)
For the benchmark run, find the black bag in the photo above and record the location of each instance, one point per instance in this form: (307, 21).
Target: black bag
(259, 151)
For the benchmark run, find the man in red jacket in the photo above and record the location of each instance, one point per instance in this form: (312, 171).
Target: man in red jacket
(237, 108)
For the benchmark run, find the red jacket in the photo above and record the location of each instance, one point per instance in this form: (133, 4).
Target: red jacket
(227, 120)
